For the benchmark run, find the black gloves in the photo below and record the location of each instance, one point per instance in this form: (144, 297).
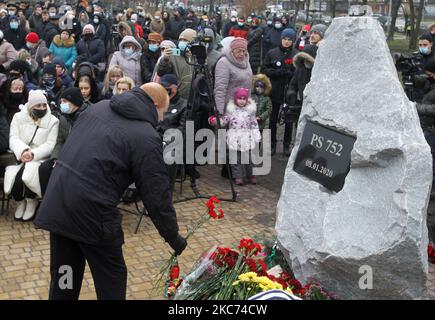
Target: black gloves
(179, 244)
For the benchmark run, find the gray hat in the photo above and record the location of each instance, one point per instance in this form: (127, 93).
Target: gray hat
(320, 29)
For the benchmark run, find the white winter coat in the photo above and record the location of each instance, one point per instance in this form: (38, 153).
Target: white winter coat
(243, 132)
(21, 132)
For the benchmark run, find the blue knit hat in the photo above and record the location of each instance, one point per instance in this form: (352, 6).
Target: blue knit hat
(168, 80)
(288, 33)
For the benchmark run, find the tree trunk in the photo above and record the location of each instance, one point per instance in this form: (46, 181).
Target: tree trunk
(333, 6)
(296, 12)
(210, 7)
(416, 31)
(307, 11)
(411, 22)
(394, 11)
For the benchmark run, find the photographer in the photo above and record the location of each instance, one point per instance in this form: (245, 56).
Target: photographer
(413, 66)
(179, 64)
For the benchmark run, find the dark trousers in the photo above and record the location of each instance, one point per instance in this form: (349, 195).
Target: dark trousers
(19, 190)
(273, 123)
(106, 263)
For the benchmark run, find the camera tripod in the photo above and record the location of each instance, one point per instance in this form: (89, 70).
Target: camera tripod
(201, 68)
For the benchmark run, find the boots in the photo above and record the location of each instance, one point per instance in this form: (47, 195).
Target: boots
(272, 149)
(20, 210)
(30, 209)
(287, 150)
(239, 181)
(253, 180)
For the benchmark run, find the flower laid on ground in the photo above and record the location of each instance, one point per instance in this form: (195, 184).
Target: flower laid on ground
(171, 268)
(224, 273)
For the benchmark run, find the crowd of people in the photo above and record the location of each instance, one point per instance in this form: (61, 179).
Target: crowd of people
(56, 61)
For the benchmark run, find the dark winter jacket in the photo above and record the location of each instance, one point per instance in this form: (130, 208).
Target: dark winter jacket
(300, 79)
(426, 109)
(50, 31)
(175, 117)
(66, 122)
(272, 39)
(35, 23)
(176, 26)
(16, 37)
(254, 46)
(148, 62)
(91, 174)
(278, 66)
(92, 50)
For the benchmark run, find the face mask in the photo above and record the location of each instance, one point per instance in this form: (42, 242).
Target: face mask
(14, 25)
(182, 45)
(96, 20)
(424, 50)
(51, 14)
(241, 24)
(39, 113)
(29, 61)
(65, 108)
(16, 96)
(133, 20)
(127, 51)
(11, 13)
(157, 17)
(88, 36)
(249, 20)
(153, 47)
(142, 14)
(29, 45)
(233, 19)
(308, 65)
(278, 25)
(269, 23)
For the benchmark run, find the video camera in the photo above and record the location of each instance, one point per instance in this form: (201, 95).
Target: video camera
(411, 67)
(198, 48)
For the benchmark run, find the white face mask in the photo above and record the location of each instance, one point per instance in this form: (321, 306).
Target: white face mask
(157, 17)
(29, 61)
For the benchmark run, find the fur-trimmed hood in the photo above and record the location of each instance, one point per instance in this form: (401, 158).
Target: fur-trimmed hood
(265, 79)
(70, 42)
(124, 25)
(251, 107)
(300, 58)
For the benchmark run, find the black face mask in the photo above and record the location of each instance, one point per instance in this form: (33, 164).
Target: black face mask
(17, 96)
(88, 36)
(39, 113)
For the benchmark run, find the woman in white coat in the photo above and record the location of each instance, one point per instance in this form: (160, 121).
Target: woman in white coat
(32, 138)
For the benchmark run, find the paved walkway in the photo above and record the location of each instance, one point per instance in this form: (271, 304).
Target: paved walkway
(24, 251)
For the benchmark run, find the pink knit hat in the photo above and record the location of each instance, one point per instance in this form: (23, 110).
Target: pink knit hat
(241, 92)
(88, 27)
(239, 43)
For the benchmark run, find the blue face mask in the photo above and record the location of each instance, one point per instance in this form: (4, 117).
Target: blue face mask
(127, 51)
(241, 24)
(153, 47)
(65, 108)
(424, 50)
(182, 45)
(14, 25)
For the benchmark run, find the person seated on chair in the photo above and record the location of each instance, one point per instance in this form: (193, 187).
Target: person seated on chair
(71, 106)
(174, 118)
(32, 139)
